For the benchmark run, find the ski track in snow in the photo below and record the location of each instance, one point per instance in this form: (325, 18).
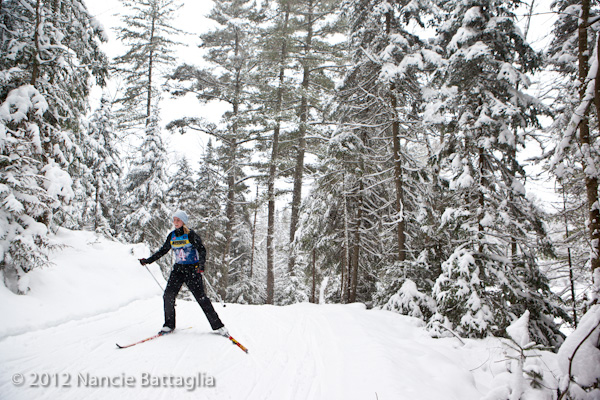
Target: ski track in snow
(296, 352)
(96, 295)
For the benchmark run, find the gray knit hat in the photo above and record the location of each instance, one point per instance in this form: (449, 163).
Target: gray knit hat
(181, 215)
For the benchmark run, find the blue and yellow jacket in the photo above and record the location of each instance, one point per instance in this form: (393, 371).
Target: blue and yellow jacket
(188, 248)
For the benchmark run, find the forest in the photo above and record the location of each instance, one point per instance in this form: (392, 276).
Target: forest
(371, 151)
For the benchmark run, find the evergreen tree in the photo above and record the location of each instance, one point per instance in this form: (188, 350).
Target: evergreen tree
(25, 197)
(378, 144)
(315, 55)
(230, 52)
(492, 275)
(103, 172)
(276, 45)
(148, 218)
(183, 193)
(208, 211)
(573, 54)
(50, 55)
(345, 216)
(147, 34)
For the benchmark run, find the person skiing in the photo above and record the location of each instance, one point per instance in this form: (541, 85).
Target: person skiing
(190, 256)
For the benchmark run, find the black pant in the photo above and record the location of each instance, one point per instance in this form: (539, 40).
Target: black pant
(187, 274)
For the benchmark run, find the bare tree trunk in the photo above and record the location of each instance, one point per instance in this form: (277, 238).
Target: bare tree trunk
(254, 234)
(346, 256)
(150, 71)
(299, 169)
(35, 70)
(273, 166)
(343, 273)
(356, 248)
(571, 279)
(398, 179)
(231, 182)
(314, 276)
(591, 182)
(229, 225)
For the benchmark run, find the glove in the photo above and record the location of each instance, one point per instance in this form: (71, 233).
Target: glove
(200, 269)
(143, 261)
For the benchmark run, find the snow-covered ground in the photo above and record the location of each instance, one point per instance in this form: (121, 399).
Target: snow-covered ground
(58, 342)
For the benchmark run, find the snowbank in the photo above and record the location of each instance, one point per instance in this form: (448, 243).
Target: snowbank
(88, 275)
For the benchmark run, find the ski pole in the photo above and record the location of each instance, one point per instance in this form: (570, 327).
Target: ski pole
(159, 285)
(214, 291)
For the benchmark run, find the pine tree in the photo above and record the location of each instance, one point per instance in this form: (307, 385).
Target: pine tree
(25, 198)
(50, 55)
(230, 52)
(492, 275)
(183, 193)
(315, 23)
(208, 213)
(103, 172)
(148, 219)
(275, 59)
(377, 109)
(147, 34)
(574, 56)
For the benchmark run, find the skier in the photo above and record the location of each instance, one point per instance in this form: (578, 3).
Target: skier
(190, 256)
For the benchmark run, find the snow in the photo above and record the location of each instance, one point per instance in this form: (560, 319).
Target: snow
(59, 342)
(518, 330)
(58, 182)
(19, 101)
(586, 362)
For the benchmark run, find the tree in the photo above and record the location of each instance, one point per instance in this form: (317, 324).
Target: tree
(316, 23)
(492, 275)
(50, 56)
(146, 33)
(103, 172)
(377, 109)
(183, 194)
(230, 51)
(148, 218)
(576, 155)
(275, 53)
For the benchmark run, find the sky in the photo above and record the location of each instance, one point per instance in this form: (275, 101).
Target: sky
(191, 18)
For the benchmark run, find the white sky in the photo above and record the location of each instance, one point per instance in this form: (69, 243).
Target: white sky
(190, 18)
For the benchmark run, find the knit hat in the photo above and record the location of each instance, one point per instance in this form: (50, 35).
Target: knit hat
(181, 215)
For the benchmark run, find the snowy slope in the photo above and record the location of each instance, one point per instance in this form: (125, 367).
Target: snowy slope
(58, 342)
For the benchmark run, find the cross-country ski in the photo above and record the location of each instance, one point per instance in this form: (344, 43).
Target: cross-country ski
(143, 340)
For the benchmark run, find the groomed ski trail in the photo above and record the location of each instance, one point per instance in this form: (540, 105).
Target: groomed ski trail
(303, 351)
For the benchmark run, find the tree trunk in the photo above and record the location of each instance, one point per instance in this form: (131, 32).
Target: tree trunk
(314, 276)
(150, 71)
(231, 182)
(35, 70)
(398, 180)
(569, 259)
(299, 168)
(356, 247)
(273, 166)
(346, 255)
(254, 234)
(591, 182)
